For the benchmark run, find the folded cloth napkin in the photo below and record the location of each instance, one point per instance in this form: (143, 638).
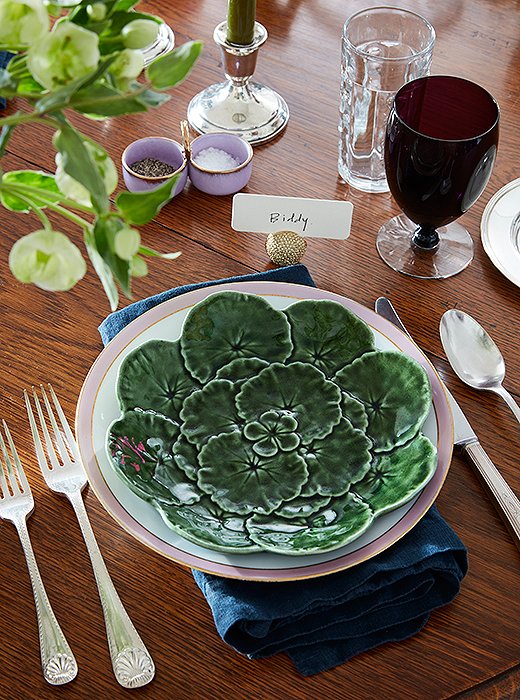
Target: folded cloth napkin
(323, 622)
(297, 274)
(5, 57)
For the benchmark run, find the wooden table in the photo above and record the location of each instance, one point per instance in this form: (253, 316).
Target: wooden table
(470, 648)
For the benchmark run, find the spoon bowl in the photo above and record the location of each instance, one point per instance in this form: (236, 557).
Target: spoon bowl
(474, 356)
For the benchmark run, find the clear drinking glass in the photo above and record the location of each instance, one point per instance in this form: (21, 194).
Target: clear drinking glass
(382, 48)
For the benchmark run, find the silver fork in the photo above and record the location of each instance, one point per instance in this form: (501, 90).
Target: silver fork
(63, 472)
(16, 504)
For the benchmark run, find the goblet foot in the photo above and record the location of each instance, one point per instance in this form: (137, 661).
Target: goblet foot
(453, 253)
(253, 111)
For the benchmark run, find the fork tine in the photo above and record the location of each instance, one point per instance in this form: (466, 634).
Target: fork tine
(48, 441)
(16, 465)
(58, 436)
(4, 491)
(64, 423)
(38, 446)
(11, 477)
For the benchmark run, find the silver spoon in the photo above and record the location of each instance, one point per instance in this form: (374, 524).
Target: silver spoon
(474, 356)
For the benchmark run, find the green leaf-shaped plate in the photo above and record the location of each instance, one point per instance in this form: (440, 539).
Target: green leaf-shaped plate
(299, 389)
(138, 444)
(154, 377)
(338, 461)
(395, 478)
(229, 325)
(209, 526)
(338, 523)
(210, 411)
(242, 482)
(395, 391)
(242, 443)
(327, 335)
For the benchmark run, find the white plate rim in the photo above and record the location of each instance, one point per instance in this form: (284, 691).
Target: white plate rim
(498, 244)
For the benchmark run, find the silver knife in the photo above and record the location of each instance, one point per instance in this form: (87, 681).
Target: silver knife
(503, 497)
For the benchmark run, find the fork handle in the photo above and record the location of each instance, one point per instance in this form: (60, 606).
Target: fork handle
(133, 666)
(58, 663)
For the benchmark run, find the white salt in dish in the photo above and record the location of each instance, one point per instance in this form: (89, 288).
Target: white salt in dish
(215, 176)
(216, 160)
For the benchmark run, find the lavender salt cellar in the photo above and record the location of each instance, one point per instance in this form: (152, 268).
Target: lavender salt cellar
(220, 164)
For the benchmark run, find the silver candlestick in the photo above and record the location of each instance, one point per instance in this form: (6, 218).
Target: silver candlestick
(239, 105)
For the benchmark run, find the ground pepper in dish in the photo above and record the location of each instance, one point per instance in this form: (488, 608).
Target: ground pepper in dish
(152, 167)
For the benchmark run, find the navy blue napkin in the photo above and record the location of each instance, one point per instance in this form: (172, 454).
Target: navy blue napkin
(5, 57)
(298, 274)
(325, 621)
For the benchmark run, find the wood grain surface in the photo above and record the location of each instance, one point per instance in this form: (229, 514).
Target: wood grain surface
(470, 648)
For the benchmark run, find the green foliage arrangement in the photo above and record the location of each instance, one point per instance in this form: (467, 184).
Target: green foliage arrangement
(86, 57)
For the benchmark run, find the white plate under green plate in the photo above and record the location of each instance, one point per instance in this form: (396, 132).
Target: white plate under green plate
(98, 407)
(500, 230)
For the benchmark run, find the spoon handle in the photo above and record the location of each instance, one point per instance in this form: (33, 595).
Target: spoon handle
(506, 502)
(509, 401)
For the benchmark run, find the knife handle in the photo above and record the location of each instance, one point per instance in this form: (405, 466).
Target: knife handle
(506, 502)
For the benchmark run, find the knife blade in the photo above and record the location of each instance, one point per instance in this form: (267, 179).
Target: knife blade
(503, 497)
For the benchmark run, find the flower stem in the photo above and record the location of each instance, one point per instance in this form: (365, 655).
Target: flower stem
(47, 195)
(16, 119)
(38, 211)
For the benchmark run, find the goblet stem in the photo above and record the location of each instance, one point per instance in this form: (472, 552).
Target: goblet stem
(426, 238)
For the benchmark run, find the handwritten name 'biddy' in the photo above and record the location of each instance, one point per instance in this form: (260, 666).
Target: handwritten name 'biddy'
(292, 218)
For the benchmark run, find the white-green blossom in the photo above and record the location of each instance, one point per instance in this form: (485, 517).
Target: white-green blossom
(97, 11)
(127, 67)
(139, 33)
(75, 190)
(138, 267)
(66, 54)
(48, 259)
(127, 242)
(22, 22)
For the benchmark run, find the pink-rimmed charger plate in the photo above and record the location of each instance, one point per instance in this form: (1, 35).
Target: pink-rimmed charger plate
(98, 407)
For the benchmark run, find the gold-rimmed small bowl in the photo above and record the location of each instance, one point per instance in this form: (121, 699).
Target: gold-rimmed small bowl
(158, 148)
(221, 182)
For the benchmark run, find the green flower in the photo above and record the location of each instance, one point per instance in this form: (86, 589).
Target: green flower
(127, 242)
(139, 33)
(66, 54)
(127, 66)
(48, 259)
(22, 22)
(273, 431)
(75, 190)
(97, 11)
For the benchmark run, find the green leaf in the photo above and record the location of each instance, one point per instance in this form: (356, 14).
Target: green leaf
(62, 97)
(169, 70)
(8, 85)
(105, 231)
(5, 135)
(103, 100)
(102, 270)
(150, 253)
(121, 18)
(153, 99)
(78, 163)
(30, 178)
(141, 207)
(121, 5)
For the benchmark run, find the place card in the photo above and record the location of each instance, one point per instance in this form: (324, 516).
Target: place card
(313, 218)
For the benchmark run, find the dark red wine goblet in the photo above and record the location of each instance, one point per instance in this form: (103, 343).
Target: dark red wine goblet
(440, 147)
